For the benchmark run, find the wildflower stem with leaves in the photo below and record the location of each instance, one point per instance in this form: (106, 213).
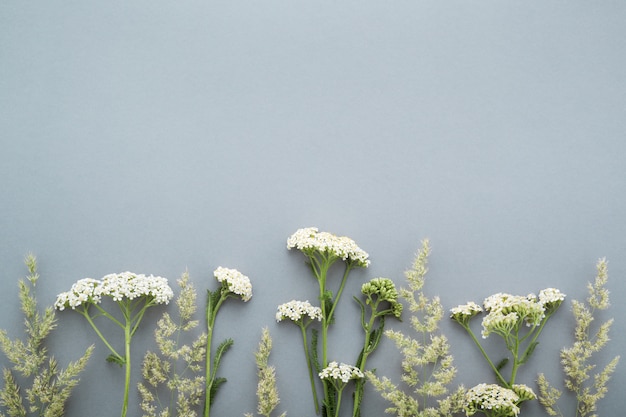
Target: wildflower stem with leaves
(381, 297)
(133, 293)
(323, 250)
(518, 320)
(232, 284)
(302, 313)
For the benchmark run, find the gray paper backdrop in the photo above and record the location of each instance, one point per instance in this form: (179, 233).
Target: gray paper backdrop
(160, 137)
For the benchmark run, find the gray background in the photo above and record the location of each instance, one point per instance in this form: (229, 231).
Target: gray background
(160, 137)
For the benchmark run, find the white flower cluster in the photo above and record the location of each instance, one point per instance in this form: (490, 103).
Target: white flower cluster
(507, 302)
(341, 371)
(131, 286)
(551, 295)
(506, 310)
(118, 286)
(491, 397)
(311, 239)
(82, 291)
(469, 309)
(237, 282)
(294, 310)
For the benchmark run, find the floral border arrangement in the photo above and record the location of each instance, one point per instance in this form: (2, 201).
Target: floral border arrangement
(181, 377)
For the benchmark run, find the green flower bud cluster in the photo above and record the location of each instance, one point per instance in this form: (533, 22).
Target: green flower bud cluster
(385, 290)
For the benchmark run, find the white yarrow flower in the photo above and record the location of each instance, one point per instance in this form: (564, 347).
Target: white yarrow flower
(130, 285)
(82, 291)
(469, 309)
(117, 286)
(550, 295)
(491, 397)
(296, 310)
(341, 371)
(311, 239)
(237, 282)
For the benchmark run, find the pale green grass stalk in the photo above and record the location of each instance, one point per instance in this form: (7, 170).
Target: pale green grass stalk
(175, 371)
(586, 390)
(50, 386)
(427, 366)
(267, 391)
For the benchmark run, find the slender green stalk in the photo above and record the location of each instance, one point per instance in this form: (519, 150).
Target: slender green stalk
(85, 314)
(310, 368)
(127, 339)
(211, 315)
(338, 402)
(482, 351)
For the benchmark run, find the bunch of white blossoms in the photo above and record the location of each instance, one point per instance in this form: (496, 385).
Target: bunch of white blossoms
(491, 399)
(82, 291)
(117, 286)
(464, 312)
(310, 239)
(295, 310)
(237, 282)
(506, 309)
(341, 371)
(551, 298)
(131, 286)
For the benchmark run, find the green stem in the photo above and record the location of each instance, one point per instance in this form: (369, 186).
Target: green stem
(498, 375)
(534, 339)
(211, 314)
(358, 392)
(321, 272)
(516, 361)
(85, 313)
(341, 287)
(310, 367)
(108, 316)
(137, 319)
(338, 403)
(127, 339)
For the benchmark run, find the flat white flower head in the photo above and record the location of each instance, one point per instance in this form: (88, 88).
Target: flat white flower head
(343, 372)
(297, 310)
(117, 286)
(527, 308)
(491, 397)
(310, 239)
(82, 291)
(550, 295)
(237, 282)
(551, 299)
(463, 311)
(131, 286)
